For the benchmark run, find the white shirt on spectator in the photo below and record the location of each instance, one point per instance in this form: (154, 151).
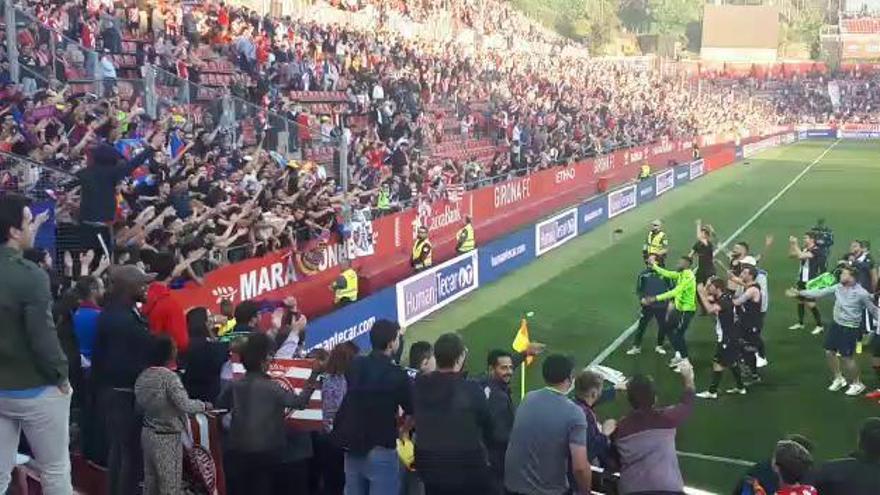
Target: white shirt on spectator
(108, 70)
(378, 92)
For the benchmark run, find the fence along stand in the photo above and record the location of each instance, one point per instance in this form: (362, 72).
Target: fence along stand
(11, 39)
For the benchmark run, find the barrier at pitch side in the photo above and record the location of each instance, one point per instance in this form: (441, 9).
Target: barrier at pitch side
(382, 251)
(420, 295)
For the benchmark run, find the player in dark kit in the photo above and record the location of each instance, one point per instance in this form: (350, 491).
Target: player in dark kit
(704, 251)
(812, 264)
(718, 300)
(750, 320)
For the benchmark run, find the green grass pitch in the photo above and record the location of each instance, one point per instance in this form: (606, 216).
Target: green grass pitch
(583, 299)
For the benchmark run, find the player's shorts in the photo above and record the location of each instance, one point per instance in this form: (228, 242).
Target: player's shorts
(726, 354)
(751, 338)
(803, 286)
(703, 275)
(842, 340)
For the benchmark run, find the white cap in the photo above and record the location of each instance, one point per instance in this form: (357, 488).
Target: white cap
(748, 260)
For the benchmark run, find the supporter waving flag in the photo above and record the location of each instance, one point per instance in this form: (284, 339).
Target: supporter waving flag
(176, 144)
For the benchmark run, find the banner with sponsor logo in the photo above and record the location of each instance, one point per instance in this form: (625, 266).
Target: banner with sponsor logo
(858, 134)
(766, 143)
(664, 181)
(646, 190)
(819, 133)
(504, 255)
(426, 292)
(352, 322)
(592, 214)
(621, 200)
(695, 169)
(362, 237)
(682, 174)
(556, 231)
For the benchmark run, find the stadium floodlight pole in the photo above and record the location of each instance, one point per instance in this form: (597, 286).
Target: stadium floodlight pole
(11, 47)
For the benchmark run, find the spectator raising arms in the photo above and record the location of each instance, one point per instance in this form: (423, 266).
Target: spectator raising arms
(205, 358)
(645, 438)
(257, 438)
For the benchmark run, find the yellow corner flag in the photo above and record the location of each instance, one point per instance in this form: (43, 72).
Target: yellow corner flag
(520, 344)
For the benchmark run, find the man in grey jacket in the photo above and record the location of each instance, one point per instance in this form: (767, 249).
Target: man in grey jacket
(34, 391)
(851, 301)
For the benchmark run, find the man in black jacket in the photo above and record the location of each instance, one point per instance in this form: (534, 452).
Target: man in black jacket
(496, 387)
(855, 475)
(121, 345)
(454, 426)
(650, 284)
(106, 169)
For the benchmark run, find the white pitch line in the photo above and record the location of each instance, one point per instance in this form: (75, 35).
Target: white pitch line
(602, 356)
(715, 458)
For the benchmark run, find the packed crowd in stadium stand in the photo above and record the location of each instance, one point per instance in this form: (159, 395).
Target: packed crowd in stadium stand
(422, 118)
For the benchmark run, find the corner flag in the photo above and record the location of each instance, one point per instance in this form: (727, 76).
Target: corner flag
(520, 344)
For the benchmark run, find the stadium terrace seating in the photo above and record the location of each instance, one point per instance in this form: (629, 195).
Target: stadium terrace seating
(860, 26)
(318, 96)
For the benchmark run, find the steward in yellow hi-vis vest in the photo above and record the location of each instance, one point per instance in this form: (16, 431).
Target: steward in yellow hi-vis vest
(345, 288)
(465, 238)
(422, 251)
(644, 171)
(656, 242)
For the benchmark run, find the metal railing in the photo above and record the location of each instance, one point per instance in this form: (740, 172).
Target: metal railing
(36, 180)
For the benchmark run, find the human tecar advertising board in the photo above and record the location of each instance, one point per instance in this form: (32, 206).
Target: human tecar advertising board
(696, 169)
(426, 292)
(556, 231)
(664, 181)
(622, 200)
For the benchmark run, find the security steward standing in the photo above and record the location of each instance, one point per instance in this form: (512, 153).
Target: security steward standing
(644, 171)
(345, 287)
(465, 240)
(422, 251)
(656, 243)
(650, 283)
